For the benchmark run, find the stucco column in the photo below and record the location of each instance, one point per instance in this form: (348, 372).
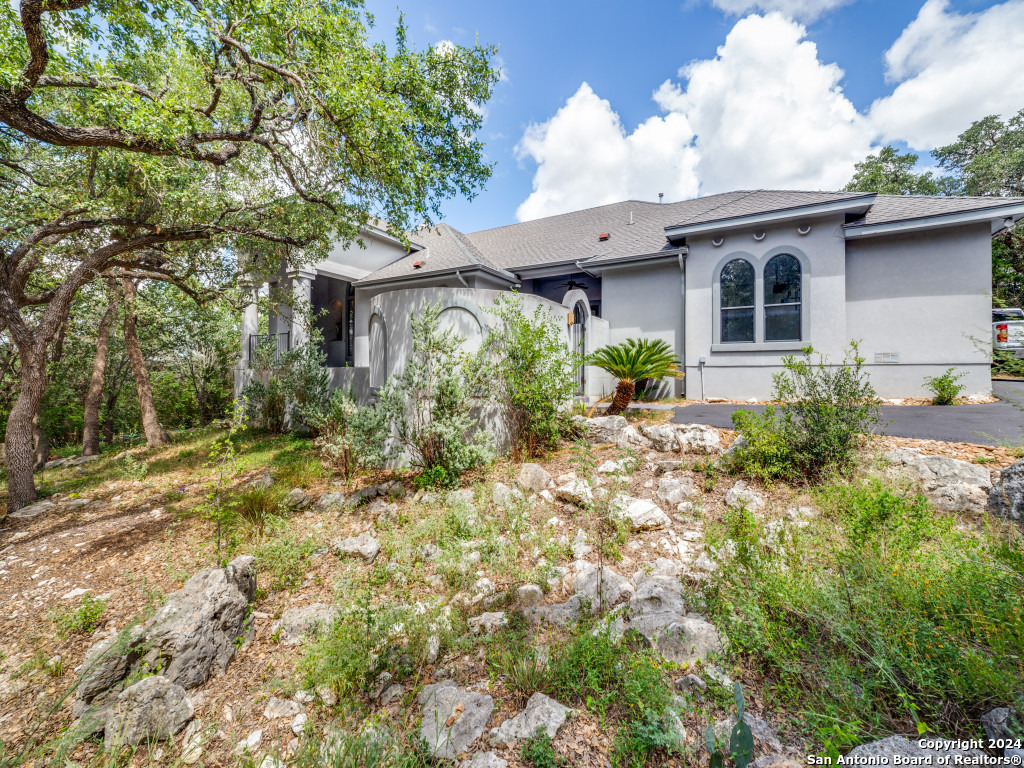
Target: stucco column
(250, 326)
(302, 289)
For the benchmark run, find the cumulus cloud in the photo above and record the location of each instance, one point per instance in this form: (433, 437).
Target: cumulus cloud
(585, 158)
(950, 70)
(768, 112)
(765, 112)
(806, 10)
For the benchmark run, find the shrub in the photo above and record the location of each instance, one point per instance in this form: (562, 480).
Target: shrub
(431, 407)
(535, 376)
(282, 562)
(350, 438)
(81, 620)
(895, 616)
(306, 382)
(945, 387)
(824, 413)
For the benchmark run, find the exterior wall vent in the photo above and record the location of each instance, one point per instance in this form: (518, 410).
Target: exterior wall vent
(886, 358)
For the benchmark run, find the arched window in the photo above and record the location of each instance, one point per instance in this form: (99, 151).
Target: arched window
(737, 286)
(782, 298)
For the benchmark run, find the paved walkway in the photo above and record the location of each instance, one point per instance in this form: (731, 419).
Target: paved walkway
(999, 423)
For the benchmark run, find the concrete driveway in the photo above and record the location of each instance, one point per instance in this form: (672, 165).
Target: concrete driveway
(999, 423)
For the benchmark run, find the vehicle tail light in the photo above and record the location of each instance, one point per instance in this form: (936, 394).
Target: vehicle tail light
(1001, 333)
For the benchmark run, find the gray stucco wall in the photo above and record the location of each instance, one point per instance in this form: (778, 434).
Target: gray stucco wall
(741, 371)
(926, 297)
(644, 301)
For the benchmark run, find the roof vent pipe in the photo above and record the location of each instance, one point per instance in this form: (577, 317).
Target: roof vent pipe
(661, 197)
(630, 217)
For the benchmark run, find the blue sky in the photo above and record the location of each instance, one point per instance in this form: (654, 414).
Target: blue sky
(603, 101)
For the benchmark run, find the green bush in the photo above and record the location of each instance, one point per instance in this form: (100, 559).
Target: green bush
(81, 620)
(945, 387)
(890, 615)
(252, 513)
(350, 438)
(375, 747)
(825, 410)
(535, 376)
(538, 752)
(432, 407)
(282, 562)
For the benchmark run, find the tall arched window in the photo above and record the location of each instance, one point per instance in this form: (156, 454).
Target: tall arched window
(782, 298)
(737, 286)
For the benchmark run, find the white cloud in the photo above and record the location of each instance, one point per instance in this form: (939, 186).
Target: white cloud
(952, 69)
(765, 112)
(806, 10)
(586, 158)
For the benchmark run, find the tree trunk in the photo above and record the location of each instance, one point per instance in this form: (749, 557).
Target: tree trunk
(91, 430)
(624, 392)
(18, 439)
(155, 434)
(41, 443)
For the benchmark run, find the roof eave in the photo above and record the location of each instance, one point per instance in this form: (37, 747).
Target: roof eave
(996, 214)
(447, 271)
(671, 253)
(859, 204)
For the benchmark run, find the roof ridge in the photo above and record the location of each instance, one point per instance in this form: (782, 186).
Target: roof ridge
(742, 196)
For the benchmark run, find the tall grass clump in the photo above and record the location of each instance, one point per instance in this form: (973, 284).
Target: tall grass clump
(883, 617)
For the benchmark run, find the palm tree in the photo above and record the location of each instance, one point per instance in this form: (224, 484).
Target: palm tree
(635, 360)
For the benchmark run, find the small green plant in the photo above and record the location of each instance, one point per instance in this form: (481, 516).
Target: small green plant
(134, 468)
(252, 513)
(741, 739)
(282, 562)
(436, 477)
(81, 620)
(538, 752)
(825, 411)
(945, 387)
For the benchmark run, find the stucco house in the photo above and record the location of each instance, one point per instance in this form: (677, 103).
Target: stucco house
(733, 282)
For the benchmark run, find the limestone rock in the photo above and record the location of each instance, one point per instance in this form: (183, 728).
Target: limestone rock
(642, 515)
(33, 510)
(1006, 499)
(951, 485)
(673, 490)
(558, 615)
(364, 545)
(631, 438)
(249, 744)
(296, 499)
(533, 478)
(153, 709)
(575, 492)
(698, 438)
(529, 595)
(691, 681)
(603, 429)
(663, 437)
(298, 724)
(734, 448)
(742, 497)
(542, 712)
(107, 663)
(657, 611)
(192, 743)
(333, 501)
(452, 718)
(620, 467)
(602, 586)
(277, 708)
(488, 623)
(486, 760)
(296, 624)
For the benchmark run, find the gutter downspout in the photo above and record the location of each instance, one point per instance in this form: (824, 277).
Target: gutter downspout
(582, 269)
(682, 336)
(461, 278)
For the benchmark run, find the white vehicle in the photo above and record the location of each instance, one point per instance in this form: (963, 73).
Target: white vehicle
(1008, 330)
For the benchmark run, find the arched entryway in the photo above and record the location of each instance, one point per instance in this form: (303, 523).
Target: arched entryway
(578, 340)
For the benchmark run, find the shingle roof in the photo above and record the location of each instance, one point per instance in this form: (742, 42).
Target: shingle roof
(892, 208)
(636, 228)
